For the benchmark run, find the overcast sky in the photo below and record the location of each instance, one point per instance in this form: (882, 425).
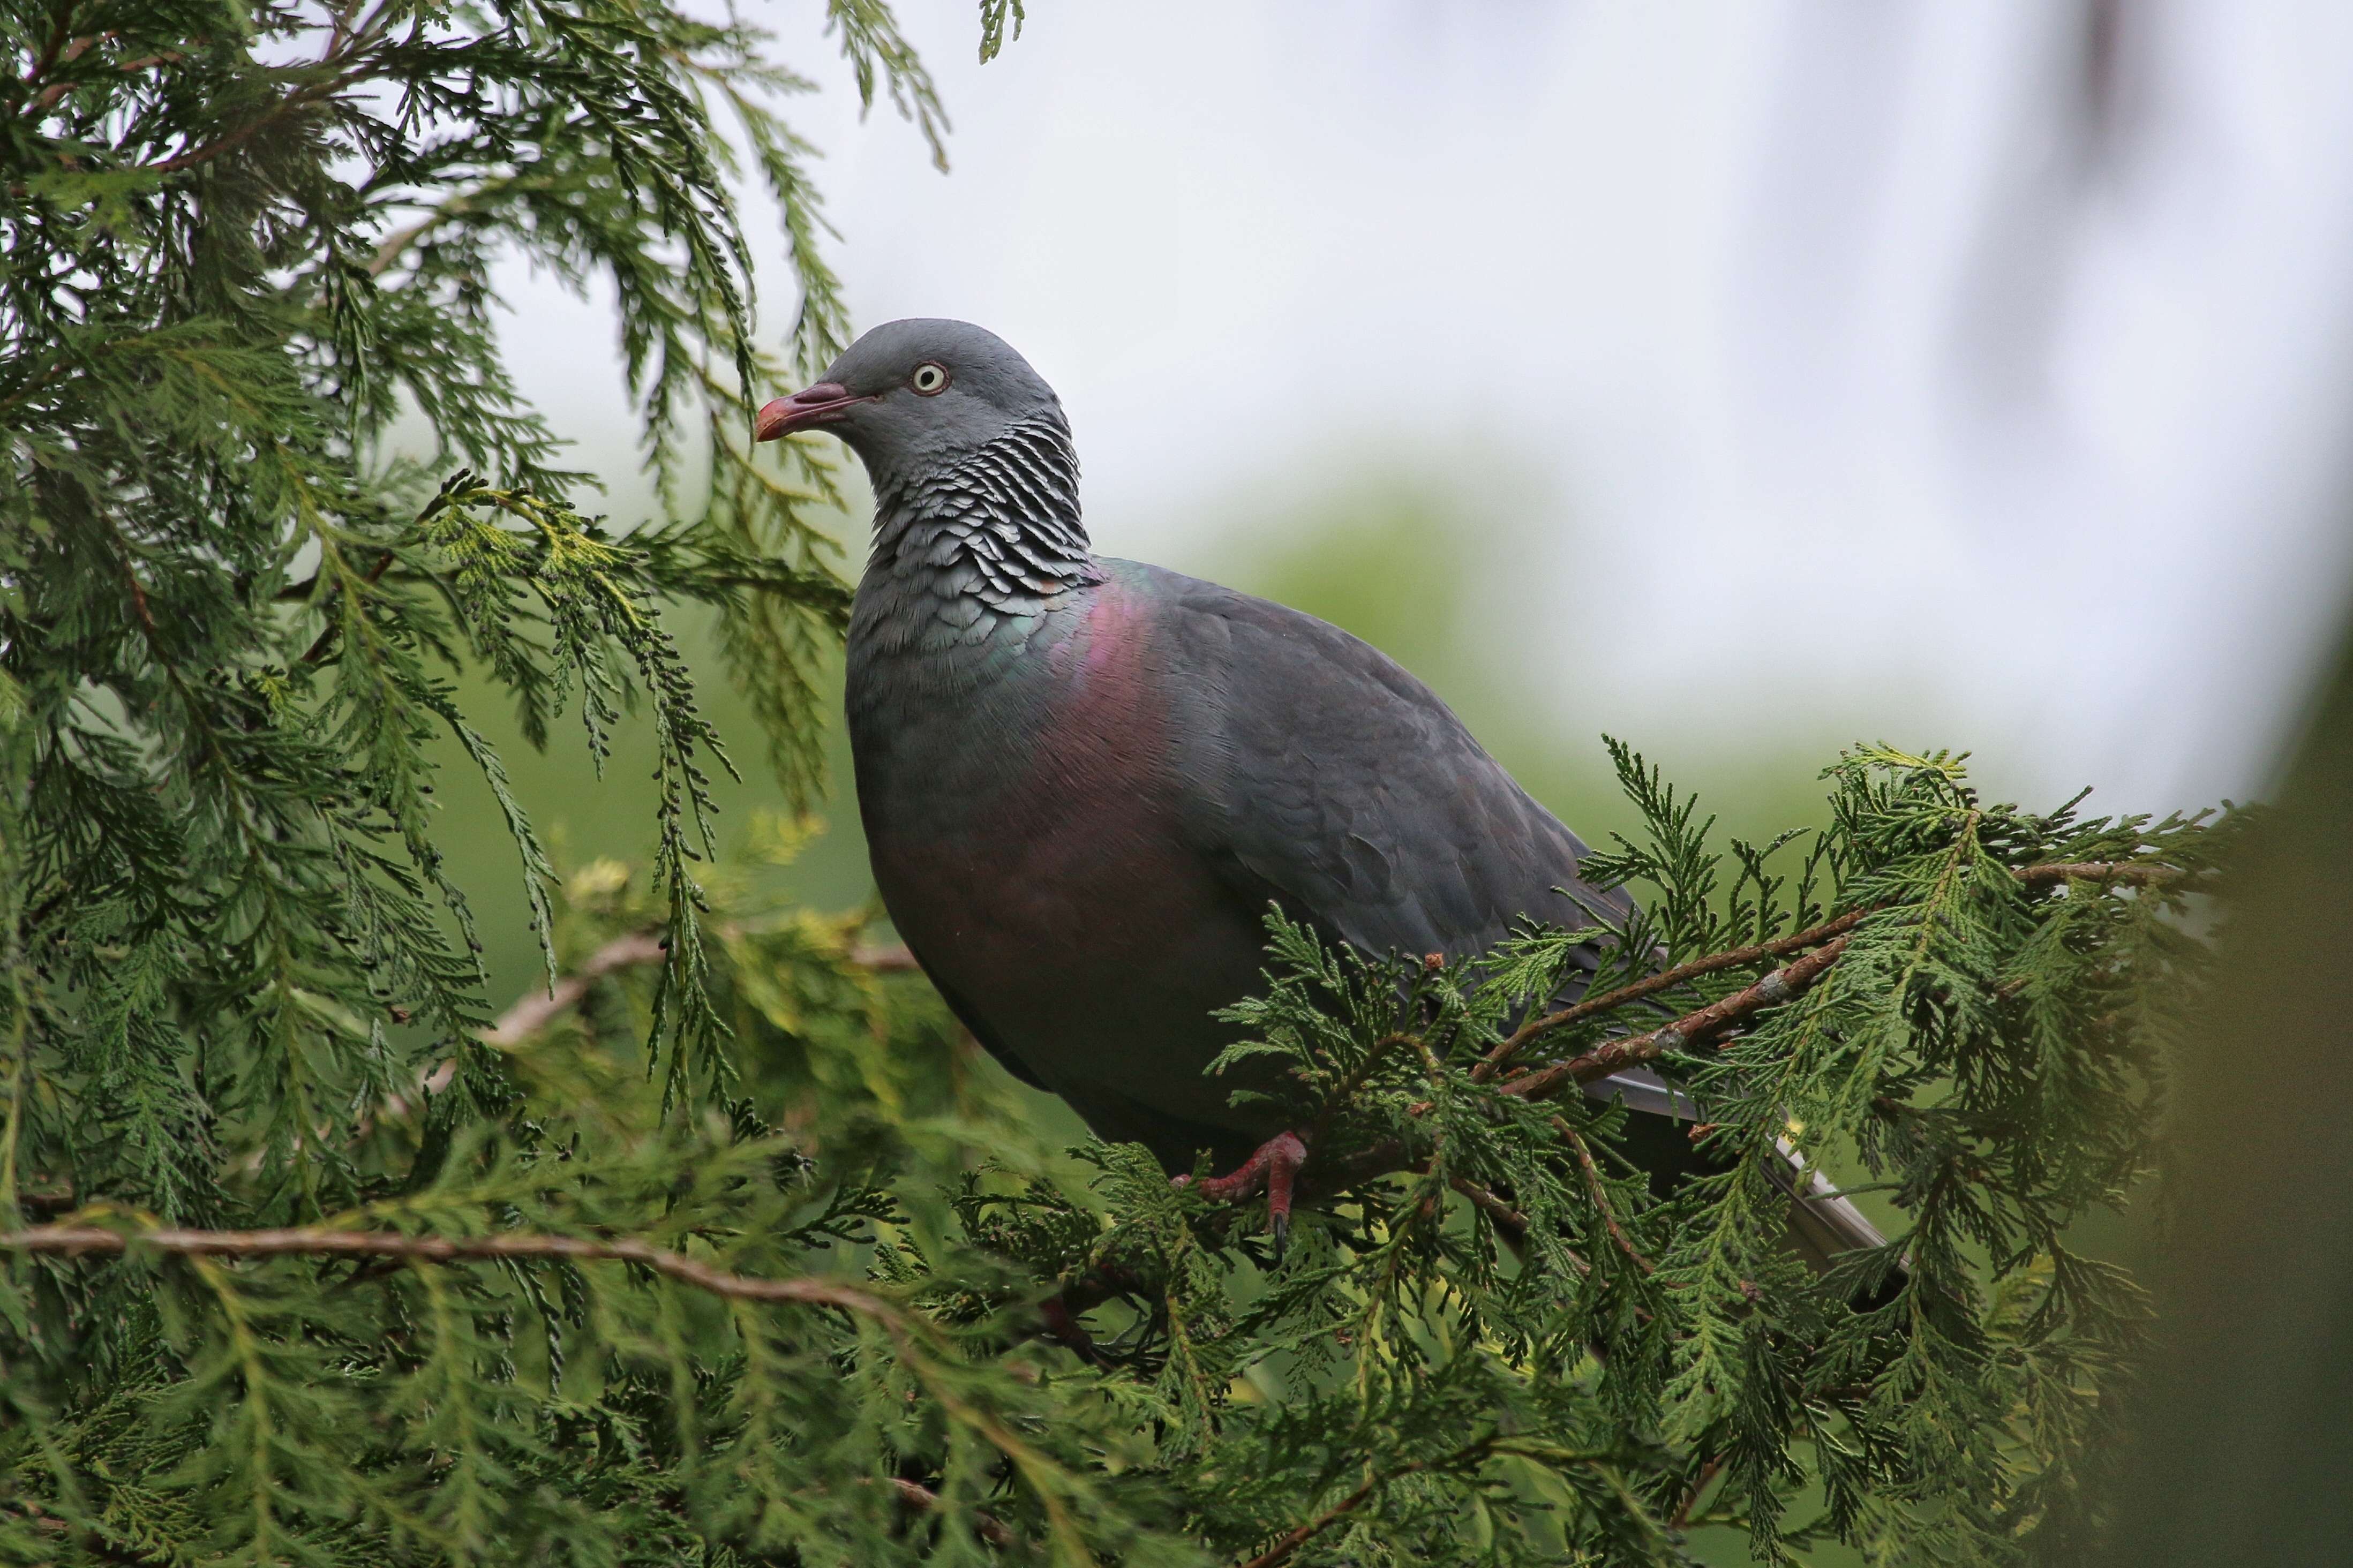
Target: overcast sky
(1930, 372)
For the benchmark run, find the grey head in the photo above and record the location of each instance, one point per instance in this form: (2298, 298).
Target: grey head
(975, 483)
(917, 397)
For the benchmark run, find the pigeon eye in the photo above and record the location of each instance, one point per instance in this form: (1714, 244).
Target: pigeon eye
(930, 380)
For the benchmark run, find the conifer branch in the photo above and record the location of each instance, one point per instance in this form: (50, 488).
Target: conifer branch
(240, 935)
(1692, 1029)
(987, 1526)
(2105, 871)
(1601, 1205)
(76, 1240)
(1292, 1540)
(286, 104)
(535, 1010)
(1509, 1220)
(1698, 1490)
(1651, 985)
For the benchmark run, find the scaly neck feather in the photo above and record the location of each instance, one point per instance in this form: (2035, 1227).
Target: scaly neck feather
(1000, 524)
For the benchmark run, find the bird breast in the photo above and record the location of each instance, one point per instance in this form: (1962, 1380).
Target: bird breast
(1026, 838)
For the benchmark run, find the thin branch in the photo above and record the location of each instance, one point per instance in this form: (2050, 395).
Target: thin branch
(1708, 1474)
(49, 97)
(1616, 1056)
(394, 244)
(389, 248)
(534, 1010)
(537, 1009)
(2127, 871)
(1511, 1221)
(238, 138)
(2133, 873)
(316, 1241)
(1651, 985)
(60, 28)
(327, 637)
(1291, 1540)
(989, 1527)
(1601, 1197)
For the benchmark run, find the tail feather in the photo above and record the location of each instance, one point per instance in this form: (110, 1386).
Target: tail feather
(1822, 1223)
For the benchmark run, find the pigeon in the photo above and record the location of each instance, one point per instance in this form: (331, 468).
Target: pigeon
(1084, 780)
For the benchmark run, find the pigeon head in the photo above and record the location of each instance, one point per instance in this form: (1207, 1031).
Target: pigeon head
(913, 397)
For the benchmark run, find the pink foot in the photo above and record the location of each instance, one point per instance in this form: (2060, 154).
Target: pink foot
(1063, 1324)
(1273, 1168)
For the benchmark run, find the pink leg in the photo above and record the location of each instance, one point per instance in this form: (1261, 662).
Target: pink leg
(1273, 1168)
(1063, 1324)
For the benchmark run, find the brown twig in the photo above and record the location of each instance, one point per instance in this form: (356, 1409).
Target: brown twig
(1600, 1197)
(537, 1009)
(60, 30)
(465, 203)
(57, 91)
(44, 1202)
(315, 1241)
(238, 138)
(986, 1526)
(1651, 985)
(1785, 982)
(1509, 1220)
(1616, 1056)
(1708, 1474)
(2132, 872)
(534, 1010)
(1291, 1540)
(389, 248)
(318, 649)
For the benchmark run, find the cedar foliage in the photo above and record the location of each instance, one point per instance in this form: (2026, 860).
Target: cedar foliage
(732, 1250)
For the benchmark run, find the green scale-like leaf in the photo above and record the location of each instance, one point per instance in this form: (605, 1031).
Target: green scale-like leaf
(728, 1246)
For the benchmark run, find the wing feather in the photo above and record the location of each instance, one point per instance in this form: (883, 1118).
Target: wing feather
(1336, 783)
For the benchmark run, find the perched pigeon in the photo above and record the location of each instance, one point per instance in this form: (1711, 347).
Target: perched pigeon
(1083, 779)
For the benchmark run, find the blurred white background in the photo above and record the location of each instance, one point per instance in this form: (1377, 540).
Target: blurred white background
(1973, 373)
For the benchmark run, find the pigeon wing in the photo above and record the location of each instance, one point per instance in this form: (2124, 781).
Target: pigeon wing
(1324, 778)
(1335, 783)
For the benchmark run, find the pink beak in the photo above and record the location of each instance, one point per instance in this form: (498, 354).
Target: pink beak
(805, 410)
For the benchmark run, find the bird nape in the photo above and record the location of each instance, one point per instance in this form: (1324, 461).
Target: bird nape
(1083, 780)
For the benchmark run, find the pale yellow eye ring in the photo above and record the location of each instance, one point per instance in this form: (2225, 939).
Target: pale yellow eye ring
(930, 379)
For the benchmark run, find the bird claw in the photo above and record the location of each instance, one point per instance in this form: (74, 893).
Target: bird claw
(1273, 1169)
